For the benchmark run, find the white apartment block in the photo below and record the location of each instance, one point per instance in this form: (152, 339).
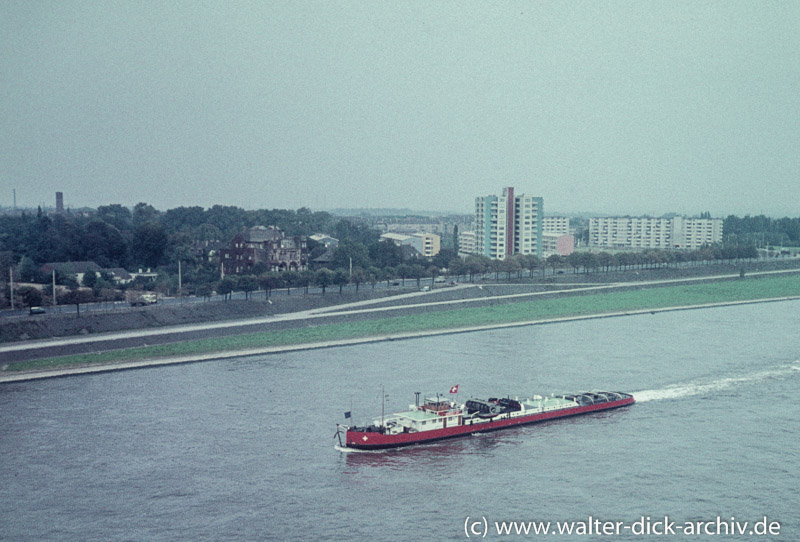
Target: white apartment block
(556, 224)
(645, 232)
(508, 224)
(466, 243)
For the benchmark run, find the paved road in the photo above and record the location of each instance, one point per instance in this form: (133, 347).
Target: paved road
(403, 302)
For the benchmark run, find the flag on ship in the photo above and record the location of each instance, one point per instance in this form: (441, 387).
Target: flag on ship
(454, 389)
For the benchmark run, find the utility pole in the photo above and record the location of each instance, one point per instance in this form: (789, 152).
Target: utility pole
(54, 288)
(179, 277)
(11, 276)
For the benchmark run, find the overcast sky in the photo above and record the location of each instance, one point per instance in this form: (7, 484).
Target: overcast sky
(611, 107)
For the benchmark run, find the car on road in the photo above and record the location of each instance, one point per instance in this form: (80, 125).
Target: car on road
(37, 310)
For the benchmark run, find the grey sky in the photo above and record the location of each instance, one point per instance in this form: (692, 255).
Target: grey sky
(613, 107)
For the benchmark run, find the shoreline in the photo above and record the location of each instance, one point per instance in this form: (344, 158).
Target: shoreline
(23, 376)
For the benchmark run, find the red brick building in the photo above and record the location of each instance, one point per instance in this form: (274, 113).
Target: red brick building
(265, 245)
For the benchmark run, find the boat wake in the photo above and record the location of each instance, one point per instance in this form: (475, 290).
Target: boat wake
(704, 388)
(356, 450)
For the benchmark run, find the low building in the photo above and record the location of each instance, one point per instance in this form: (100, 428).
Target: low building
(427, 244)
(263, 245)
(325, 240)
(555, 243)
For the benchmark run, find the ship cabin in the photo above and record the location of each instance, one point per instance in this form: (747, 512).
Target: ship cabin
(436, 405)
(435, 413)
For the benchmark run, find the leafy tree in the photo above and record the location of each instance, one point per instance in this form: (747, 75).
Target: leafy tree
(29, 271)
(433, 272)
(149, 244)
(403, 271)
(556, 261)
(340, 278)
(306, 279)
(385, 254)
(355, 232)
(389, 273)
(445, 258)
(358, 276)
(103, 244)
(347, 250)
(204, 290)
(374, 275)
(248, 283)
(605, 260)
(144, 213)
(510, 265)
(291, 279)
(226, 286)
(495, 266)
(115, 215)
(89, 279)
(323, 278)
(77, 297)
(270, 281)
(476, 265)
(575, 259)
(457, 268)
(30, 296)
(227, 219)
(183, 219)
(417, 272)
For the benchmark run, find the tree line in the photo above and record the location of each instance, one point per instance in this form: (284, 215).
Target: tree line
(144, 237)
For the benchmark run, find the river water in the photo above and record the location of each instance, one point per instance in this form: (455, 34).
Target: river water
(243, 449)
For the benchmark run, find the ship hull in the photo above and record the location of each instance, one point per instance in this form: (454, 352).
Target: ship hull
(368, 440)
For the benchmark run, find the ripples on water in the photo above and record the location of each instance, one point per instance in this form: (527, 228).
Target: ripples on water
(243, 449)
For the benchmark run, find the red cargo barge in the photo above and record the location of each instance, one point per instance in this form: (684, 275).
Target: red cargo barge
(439, 418)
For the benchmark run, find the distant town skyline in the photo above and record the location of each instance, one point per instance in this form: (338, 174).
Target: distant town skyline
(603, 107)
(51, 206)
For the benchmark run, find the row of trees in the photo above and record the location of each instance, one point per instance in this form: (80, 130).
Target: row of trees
(478, 266)
(115, 236)
(102, 288)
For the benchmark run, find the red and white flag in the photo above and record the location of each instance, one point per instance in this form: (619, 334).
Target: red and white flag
(454, 389)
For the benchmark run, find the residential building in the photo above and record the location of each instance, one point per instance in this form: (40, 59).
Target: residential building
(466, 243)
(555, 224)
(263, 245)
(556, 243)
(325, 240)
(647, 232)
(427, 244)
(508, 224)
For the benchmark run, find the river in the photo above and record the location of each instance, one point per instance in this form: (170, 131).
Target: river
(243, 449)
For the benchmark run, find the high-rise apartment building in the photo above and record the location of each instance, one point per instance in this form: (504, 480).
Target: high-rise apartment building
(508, 224)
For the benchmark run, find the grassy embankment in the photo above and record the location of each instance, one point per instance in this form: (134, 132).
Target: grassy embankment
(751, 288)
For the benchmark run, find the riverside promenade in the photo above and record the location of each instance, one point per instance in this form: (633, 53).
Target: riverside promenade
(401, 304)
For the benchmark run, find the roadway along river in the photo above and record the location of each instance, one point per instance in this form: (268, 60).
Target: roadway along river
(243, 449)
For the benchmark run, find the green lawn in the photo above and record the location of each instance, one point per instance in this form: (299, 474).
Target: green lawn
(568, 305)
